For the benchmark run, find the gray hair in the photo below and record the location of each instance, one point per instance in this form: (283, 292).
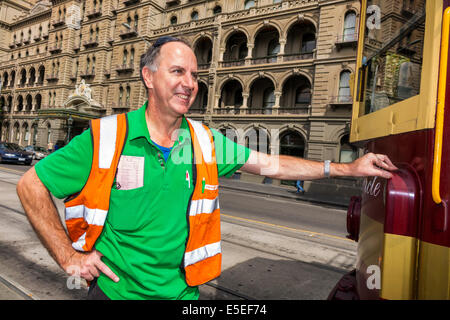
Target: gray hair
(150, 58)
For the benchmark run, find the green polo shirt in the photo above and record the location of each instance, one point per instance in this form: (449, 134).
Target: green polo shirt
(145, 232)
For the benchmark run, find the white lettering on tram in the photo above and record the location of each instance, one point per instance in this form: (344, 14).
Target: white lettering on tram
(372, 188)
(373, 17)
(374, 280)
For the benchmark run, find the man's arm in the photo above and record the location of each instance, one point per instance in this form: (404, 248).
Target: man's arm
(293, 168)
(44, 217)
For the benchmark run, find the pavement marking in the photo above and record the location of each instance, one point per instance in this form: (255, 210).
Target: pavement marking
(310, 233)
(12, 170)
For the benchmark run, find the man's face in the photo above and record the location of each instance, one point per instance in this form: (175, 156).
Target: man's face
(173, 86)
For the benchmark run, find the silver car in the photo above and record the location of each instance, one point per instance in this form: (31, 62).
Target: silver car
(38, 152)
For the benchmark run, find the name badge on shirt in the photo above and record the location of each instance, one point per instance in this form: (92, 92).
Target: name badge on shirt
(130, 173)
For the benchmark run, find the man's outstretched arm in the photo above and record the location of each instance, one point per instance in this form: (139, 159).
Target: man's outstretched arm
(43, 216)
(293, 168)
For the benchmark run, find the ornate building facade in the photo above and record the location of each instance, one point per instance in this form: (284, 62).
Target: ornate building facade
(272, 74)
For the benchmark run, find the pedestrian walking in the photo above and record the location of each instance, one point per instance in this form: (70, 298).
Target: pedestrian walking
(132, 179)
(299, 185)
(50, 146)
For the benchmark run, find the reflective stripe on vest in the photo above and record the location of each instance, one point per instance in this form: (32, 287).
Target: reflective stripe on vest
(203, 255)
(86, 213)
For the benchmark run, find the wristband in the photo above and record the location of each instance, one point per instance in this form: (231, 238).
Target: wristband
(326, 168)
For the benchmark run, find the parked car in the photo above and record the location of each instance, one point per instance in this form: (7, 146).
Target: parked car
(38, 152)
(12, 152)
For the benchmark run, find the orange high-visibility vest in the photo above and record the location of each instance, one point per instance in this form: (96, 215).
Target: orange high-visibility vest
(86, 211)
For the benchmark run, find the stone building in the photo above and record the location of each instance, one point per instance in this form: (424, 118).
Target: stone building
(273, 74)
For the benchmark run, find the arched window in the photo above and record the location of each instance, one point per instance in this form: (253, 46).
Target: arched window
(194, 15)
(344, 87)
(132, 57)
(273, 48)
(125, 57)
(217, 10)
(303, 96)
(308, 43)
(127, 97)
(49, 133)
(349, 26)
(136, 21)
(93, 65)
(268, 100)
(173, 20)
(249, 4)
(120, 96)
(26, 133)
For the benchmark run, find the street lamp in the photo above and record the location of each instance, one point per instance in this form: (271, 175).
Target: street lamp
(126, 25)
(69, 128)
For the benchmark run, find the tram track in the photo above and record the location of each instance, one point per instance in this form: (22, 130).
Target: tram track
(230, 285)
(17, 289)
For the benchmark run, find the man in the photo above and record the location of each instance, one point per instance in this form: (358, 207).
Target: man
(144, 248)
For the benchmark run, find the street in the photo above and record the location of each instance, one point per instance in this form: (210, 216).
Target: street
(272, 249)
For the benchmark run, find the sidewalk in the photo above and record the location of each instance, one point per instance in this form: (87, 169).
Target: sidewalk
(287, 192)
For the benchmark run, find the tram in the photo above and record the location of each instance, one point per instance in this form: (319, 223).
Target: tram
(401, 109)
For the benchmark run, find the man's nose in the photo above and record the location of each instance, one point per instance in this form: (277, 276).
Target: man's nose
(189, 81)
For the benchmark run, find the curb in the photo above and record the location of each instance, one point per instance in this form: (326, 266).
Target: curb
(285, 196)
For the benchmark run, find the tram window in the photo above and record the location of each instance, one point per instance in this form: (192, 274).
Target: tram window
(392, 54)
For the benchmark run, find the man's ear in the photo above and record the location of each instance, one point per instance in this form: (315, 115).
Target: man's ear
(147, 75)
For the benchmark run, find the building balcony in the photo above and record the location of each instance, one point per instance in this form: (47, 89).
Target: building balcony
(130, 2)
(88, 74)
(227, 110)
(57, 23)
(170, 3)
(124, 68)
(128, 33)
(408, 9)
(55, 49)
(197, 110)
(120, 105)
(90, 43)
(203, 66)
(73, 77)
(232, 63)
(347, 40)
(12, 45)
(94, 14)
(341, 100)
(52, 77)
(300, 110)
(37, 38)
(264, 60)
(298, 56)
(19, 43)
(26, 41)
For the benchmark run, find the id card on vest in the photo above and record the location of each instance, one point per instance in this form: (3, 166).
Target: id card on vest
(130, 173)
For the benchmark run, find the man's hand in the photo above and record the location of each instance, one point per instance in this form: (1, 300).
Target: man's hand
(372, 165)
(88, 266)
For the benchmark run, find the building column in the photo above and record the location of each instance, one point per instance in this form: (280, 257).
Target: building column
(276, 107)
(282, 48)
(244, 108)
(248, 58)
